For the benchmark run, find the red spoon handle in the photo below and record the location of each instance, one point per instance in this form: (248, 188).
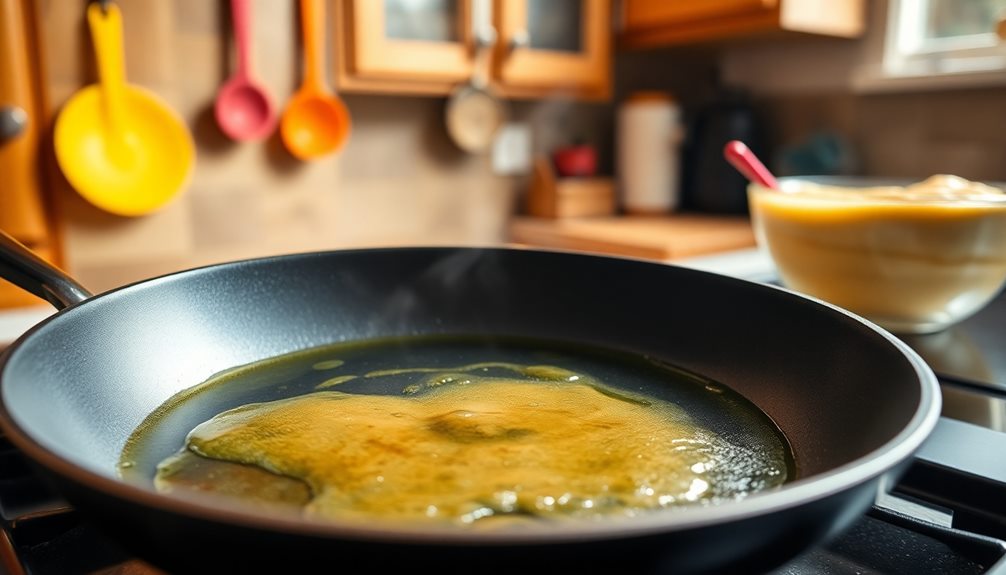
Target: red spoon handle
(241, 14)
(741, 157)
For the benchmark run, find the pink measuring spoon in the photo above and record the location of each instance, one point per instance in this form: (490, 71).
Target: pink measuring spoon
(742, 158)
(244, 109)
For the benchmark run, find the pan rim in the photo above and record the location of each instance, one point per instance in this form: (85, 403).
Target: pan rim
(861, 470)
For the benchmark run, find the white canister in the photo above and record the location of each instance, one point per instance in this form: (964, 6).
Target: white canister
(648, 151)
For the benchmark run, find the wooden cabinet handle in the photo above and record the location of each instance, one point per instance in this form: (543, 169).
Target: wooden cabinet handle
(520, 39)
(13, 121)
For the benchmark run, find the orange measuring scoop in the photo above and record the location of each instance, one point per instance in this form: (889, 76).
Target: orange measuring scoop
(315, 121)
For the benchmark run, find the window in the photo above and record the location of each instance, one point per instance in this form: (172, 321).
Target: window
(941, 37)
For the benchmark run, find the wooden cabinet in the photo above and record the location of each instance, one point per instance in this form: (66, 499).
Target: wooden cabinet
(554, 45)
(655, 23)
(25, 213)
(527, 48)
(395, 41)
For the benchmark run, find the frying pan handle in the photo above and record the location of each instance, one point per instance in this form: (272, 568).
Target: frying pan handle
(23, 268)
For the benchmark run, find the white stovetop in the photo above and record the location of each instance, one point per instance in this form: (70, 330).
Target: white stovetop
(14, 322)
(751, 264)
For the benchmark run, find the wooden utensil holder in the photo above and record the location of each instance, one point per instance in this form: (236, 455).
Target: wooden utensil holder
(553, 197)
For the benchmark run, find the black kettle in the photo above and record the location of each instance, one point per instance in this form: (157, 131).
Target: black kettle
(709, 184)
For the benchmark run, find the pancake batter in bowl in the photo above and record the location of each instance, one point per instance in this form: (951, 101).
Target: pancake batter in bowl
(914, 259)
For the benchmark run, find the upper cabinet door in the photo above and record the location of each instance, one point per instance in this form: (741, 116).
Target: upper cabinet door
(562, 46)
(414, 40)
(647, 13)
(661, 23)
(529, 48)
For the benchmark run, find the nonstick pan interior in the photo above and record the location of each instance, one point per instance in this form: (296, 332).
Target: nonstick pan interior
(853, 401)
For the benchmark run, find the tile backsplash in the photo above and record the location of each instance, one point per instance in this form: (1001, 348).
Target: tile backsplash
(902, 135)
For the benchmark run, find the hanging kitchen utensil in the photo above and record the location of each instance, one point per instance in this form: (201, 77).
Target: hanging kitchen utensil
(316, 121)
(120, 147)
(244, 109)
(474, 113)
(747, 163)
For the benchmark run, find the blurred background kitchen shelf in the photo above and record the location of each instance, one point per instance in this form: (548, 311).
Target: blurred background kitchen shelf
(787, 73)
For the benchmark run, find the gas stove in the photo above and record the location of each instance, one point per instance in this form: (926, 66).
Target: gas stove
(946, 515)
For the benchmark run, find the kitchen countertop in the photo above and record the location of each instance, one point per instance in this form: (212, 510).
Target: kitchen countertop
(16, 321)
(749, 263)
(665, 237)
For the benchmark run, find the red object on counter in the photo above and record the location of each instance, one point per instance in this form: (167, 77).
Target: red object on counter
(575, 161)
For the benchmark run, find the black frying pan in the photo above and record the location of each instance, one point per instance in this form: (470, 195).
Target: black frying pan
(854, 401)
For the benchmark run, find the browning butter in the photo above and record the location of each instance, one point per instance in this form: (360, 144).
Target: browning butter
(474, 444)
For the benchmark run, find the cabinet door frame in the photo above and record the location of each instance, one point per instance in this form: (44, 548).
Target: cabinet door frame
(367, 59)
(519, 69)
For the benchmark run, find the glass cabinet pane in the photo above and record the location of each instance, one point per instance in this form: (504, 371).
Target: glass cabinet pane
(429, 20)
(949, 18)
(555, 25)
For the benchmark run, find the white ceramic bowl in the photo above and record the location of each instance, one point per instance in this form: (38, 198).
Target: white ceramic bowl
(912, 259)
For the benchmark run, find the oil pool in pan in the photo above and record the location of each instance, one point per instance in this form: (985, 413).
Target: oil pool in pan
(459, 430)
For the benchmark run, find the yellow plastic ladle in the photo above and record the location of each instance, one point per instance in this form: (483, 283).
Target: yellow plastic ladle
(118, 145)
(315, 121)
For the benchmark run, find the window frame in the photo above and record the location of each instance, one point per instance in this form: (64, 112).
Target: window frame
(907, 52)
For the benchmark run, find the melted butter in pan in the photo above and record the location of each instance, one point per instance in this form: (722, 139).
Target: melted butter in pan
(465, 448)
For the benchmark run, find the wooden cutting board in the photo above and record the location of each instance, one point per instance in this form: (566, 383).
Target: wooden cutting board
(666, 237)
